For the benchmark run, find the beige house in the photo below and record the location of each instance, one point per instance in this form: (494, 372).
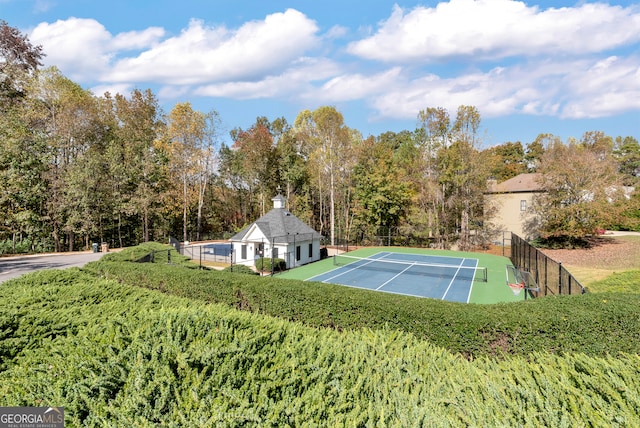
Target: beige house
(512, 201)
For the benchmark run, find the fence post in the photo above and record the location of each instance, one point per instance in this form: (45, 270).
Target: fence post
(560, 278)
(569, 277)
(546, 275)
(168, 256)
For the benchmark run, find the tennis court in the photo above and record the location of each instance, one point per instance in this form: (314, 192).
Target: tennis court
(438, 277)
(463, 277)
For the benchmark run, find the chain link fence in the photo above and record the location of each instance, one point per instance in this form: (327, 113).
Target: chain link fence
(552, 278)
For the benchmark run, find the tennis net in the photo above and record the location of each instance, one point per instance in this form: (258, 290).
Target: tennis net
(412, 268)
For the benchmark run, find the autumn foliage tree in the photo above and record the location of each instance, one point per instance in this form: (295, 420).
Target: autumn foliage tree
(579, 182)
(19, 60)
(77, 167)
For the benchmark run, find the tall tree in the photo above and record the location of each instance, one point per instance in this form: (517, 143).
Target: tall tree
(330, 143)
(578, 186)
(535, 150)
(136, 162)
(260, 164)
(627, 153)
(236, 207)
(19, 60)
(185, 131)
(295, 177)
(207, 162)
(506, 160)
(598, 143)
(462, 174)
(434, 136)
(22, 160)
(382, 196)
(70, 125)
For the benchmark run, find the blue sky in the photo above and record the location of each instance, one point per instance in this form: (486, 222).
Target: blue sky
(529, 67)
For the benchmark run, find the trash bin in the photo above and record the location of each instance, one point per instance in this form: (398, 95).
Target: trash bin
(95, 247)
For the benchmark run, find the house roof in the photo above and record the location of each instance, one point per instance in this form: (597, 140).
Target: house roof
(519, 184)
(279, 225)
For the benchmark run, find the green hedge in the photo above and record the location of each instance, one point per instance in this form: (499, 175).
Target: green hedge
(594, 324)
(265, 264)
(117, 355)
(241, 269)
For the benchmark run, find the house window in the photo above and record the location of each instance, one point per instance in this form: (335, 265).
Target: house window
(523, 205)
(243, 252)
(274, 252)
(311, 250)
(298, 253)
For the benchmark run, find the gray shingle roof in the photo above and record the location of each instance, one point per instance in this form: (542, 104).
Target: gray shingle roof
(281, 225)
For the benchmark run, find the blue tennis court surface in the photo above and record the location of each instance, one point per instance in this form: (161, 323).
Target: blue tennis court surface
(437, 277)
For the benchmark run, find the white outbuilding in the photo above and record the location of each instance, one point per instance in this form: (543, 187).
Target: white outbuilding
(278, 234)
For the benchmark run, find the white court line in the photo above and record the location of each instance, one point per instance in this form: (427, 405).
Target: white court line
(350, 270)
(452, 279)
(342, 267)
(473, 279)
(397, 275)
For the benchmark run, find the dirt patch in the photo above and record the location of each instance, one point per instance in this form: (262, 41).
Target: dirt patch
(500, 345)
(243, 302)
(619, 253)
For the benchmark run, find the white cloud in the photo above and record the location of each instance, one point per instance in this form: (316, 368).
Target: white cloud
(351, 87)
(491, 29)
(560, 76)
(42, 6)
(203, 54)
(133, 40)
(118, 88)
(77, 46)
(85, 51)
(83, 48)
(292, 83)
(568, 89)
(608, 87)
(337, 32)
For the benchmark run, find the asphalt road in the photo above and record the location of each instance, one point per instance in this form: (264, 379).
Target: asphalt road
(11, 267)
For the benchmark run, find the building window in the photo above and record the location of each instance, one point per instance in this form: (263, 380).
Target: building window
(243, 252)
(523, 205)
(311, 250)
(274, 252)
(298, 253)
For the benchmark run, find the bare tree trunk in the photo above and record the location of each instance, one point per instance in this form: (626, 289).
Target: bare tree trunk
(332, 210)
(120, 229)
(145, 220)
(184, 211)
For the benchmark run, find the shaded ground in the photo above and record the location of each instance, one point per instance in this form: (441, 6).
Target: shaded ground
(612, 253)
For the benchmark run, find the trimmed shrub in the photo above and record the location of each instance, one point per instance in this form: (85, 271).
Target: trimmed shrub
(242, 269)
(263, 264)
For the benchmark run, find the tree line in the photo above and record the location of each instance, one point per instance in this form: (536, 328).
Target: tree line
(77, 168)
